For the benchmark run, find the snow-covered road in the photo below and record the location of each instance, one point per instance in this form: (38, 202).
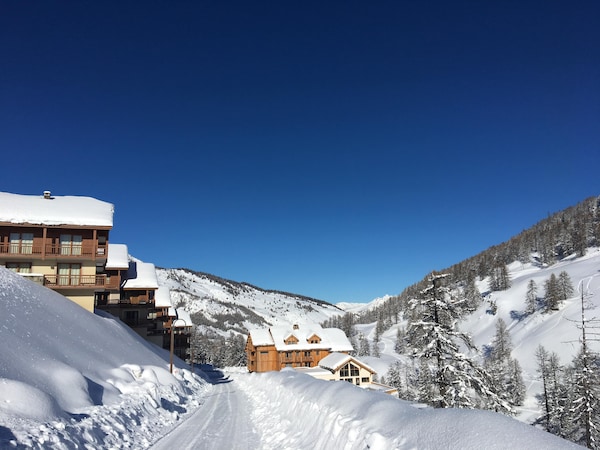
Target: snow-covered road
(275, 410)
(222, 422)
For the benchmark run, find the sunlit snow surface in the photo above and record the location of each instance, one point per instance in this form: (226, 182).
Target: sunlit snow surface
(71, 379)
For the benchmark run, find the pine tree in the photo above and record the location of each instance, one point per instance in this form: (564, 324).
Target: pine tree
(435, 341)
(400, 344)
(472, 296)
(565, 287)
(364, 348)
(394, 376)
(585, 393)
(499, 278)
(541, 354)
(531, 297)
(505, 371)
(552, 293)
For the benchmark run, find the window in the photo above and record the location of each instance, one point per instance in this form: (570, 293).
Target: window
(69, 274)
(20, 267)
(345, 371)
(364, 379)
(131, 318)
(21, 243)
(291, 340)
(70, 244)
(349, 370)
(307, 354)
(288, 354)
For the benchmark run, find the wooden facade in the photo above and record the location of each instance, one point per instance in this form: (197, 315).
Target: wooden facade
(63, 244)
(300, 346)
(67, 259)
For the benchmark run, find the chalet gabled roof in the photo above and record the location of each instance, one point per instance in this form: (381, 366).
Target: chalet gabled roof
(332, 339)
(335, 361)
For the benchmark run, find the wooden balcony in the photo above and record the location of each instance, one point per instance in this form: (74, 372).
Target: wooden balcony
(86, 251)
(81, 281)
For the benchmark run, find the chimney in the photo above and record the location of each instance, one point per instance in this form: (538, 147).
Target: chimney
(47, 195)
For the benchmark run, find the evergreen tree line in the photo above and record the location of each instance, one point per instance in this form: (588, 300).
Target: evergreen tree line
(220, 351)
(567, 232)
(570, 398)
(556, 290)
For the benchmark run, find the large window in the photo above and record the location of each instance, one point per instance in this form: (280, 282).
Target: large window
(70, 244)
(69, 274)
(349, 370)
(21, 243)
(20, 267)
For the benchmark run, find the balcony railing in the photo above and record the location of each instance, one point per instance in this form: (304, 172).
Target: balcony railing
(80, 281)
(53, 250)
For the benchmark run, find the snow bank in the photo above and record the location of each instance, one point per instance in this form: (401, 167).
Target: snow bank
(69, 378)
(296, 411)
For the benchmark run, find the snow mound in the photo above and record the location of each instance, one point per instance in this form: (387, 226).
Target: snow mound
(294, 410)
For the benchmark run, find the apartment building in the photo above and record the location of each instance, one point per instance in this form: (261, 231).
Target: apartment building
(61, 242)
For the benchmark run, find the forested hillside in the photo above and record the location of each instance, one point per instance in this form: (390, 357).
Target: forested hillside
(512, 329)
(561, 234)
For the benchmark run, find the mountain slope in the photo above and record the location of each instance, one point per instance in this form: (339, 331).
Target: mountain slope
(221, 306)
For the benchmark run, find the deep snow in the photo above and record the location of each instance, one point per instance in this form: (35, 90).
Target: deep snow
(71, 379)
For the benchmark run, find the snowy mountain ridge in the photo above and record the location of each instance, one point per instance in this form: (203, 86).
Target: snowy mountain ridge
(221, 305)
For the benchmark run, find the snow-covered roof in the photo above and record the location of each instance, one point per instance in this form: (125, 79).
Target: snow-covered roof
(261, 337)
(162, 298)
(183, 319)
(118, 257)
(335, 360)
(332, 339)
(55, 210)
(141, 275)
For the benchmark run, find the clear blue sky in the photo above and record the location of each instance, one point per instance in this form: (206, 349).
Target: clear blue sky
(340, 150)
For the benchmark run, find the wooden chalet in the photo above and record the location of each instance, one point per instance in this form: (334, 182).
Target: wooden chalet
(297, 346)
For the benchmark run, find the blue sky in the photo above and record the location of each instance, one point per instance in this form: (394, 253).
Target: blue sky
(340, 150)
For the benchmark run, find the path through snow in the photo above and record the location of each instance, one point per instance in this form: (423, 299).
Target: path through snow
(222, 422)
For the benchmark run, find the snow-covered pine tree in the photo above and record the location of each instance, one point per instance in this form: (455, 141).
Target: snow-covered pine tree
(400, 344)
(531, 297)
(499, 278)
(565, 287)
(552, 293)
(364, 348)
(585, 404)
(505, 371)
(394, 376)
(472, 296)
(435, 340)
